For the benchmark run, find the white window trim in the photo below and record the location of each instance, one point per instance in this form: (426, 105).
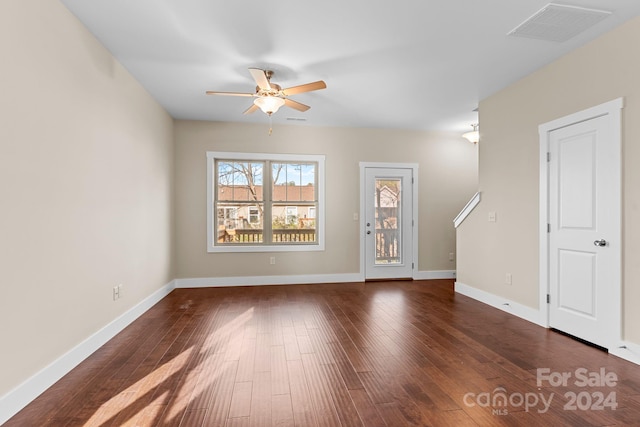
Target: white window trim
(320, 212)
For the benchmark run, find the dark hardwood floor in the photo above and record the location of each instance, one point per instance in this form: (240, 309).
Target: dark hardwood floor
(373, 354)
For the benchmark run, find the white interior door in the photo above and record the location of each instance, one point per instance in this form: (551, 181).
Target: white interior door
(388, 223)
(584, 231)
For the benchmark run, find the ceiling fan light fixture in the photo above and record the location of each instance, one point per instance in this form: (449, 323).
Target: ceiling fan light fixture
(473, 136)
(269, 104)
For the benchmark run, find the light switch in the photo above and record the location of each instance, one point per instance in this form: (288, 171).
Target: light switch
(492, 217)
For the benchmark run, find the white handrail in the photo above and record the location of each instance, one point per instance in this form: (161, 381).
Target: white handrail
(467, 209)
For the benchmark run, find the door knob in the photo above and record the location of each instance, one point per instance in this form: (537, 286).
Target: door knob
(600, 242)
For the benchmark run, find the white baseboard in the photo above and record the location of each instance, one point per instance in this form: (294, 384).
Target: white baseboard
(435, 274)
(215, 282)
(527, 313)
(218, 282)
(12, 402)
(628, 351)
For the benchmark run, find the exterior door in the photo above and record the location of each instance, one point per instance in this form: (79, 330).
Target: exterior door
(584, 231)
(388, 237)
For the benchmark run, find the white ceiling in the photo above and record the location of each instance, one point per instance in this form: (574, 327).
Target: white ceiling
(412, 64)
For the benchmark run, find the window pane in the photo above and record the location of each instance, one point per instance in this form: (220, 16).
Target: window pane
(239, 181)
(294, 181)
(239, 223)
(388, 230)
(294, 223)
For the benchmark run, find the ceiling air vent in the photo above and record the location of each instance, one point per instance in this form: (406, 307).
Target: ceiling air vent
(558, 23)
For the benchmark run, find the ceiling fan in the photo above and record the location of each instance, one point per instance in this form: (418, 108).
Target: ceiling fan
(269, 97)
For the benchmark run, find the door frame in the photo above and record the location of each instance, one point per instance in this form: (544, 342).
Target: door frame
(414, 211)
(613, 109)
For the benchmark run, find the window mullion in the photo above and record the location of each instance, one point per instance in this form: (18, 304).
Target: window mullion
(267, 232)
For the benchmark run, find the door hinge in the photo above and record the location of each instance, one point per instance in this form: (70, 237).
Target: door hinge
(548, 157)
(548, 228)
(548, 299)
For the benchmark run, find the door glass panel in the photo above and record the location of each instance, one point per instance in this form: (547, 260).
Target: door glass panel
(388, 224)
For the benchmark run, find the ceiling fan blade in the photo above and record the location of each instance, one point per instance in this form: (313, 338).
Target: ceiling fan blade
(213, 92)
(251, 109)
(295, 105)
(305, 88)
(261, 78)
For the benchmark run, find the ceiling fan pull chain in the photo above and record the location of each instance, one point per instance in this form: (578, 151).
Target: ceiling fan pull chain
(270, 125)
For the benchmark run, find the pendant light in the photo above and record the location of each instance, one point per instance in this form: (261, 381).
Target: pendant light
(269, 104)
(474, 135)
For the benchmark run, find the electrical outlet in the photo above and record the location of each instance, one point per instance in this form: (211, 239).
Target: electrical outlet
(508, 279)
(450, 256)
(272, 260)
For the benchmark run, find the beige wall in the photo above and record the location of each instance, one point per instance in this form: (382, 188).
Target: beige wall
(603, 70)
(86, 188)
(447, 179)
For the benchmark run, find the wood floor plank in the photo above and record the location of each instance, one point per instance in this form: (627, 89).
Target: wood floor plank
(345, 407)
(204, 389)
(192, 418)
(262, 361)
(292, 351)
(321, 350)
(304, 343)
(238, 422)
(320, 392)
(376, 387)
(247, 359)
(279, 374)
(366, 408)
(241, 400)
(282, 412)
(260, 412)
(303, 414)
(220, 396)
(383, 353)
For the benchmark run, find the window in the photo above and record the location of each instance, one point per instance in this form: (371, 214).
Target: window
(262, 202)
(291, 216)
(254, 215)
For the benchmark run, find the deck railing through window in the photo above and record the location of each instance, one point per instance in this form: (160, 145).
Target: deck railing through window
(387, 246)
(254, 235)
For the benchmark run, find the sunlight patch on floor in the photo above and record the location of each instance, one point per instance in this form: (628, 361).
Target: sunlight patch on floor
(111, 408)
